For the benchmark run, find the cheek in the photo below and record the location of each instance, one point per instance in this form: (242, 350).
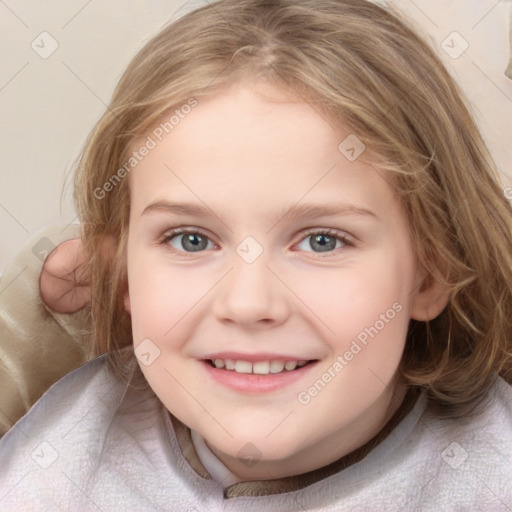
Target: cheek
(364, 312)
(162, 297)
(352, 298)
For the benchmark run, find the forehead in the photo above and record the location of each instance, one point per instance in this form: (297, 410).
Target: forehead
(252, 152)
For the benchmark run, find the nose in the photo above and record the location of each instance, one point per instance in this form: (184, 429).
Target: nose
(251, 296)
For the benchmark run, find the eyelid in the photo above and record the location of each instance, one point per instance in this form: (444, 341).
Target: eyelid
(337, 233)
(183, 230)
(347, 239)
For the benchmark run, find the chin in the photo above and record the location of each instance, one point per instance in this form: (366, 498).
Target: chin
(257, 448)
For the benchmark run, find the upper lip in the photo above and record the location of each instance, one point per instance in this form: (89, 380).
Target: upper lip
(254, 358)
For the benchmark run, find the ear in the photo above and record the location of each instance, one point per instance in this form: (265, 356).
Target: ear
(430, 298)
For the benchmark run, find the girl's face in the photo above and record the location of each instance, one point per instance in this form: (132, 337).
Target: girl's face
(295, 251)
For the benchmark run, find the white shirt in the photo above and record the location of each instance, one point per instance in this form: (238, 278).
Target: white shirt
(92, 443)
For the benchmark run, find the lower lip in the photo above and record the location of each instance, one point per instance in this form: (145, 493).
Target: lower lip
(252, 383)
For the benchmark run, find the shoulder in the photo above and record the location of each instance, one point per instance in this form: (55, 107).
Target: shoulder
(58, 409)
(491, 422)
(94, 441)
(63, 433)
(469, 460)
(501, 396)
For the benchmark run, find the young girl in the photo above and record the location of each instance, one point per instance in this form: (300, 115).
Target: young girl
(300, 273)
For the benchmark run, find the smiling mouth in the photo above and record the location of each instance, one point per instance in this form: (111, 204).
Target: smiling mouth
(258, 368)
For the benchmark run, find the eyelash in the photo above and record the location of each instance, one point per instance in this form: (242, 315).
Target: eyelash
(347, 242)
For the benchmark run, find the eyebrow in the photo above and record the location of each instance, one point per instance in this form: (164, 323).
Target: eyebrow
(311, 211)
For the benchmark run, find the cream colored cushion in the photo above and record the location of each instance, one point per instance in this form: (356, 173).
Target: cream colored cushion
(37, 346)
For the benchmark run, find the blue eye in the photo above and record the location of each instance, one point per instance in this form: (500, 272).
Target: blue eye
(325, 241)
(190, 240)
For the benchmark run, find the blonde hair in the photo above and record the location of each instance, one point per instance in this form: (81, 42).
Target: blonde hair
(363, 66)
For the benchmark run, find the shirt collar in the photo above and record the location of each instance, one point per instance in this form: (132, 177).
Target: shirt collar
(235, 488)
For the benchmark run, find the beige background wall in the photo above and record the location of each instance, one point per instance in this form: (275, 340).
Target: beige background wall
(49, 102)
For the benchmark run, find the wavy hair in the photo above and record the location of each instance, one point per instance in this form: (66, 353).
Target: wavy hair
(364, 66)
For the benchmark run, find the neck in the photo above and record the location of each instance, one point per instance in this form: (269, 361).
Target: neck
(326, 451)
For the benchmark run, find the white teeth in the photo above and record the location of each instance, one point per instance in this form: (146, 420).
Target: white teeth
(260, 367)
(243, 367)
(276, 366)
